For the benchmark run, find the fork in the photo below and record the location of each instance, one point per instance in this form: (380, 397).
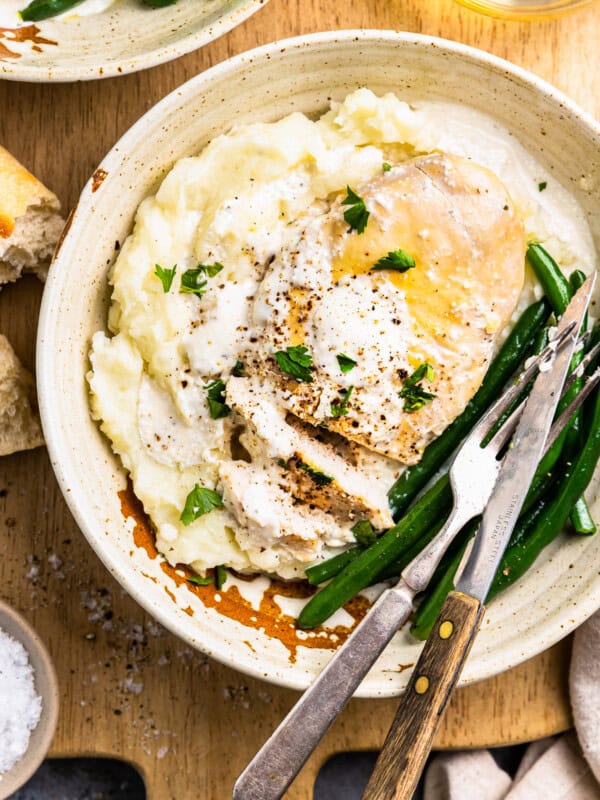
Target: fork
(472, 478)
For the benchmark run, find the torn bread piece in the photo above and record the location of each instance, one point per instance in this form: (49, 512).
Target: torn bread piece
(19, 421)
(30, 223)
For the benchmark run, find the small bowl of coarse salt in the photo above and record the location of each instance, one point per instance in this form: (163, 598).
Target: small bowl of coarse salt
(28, 701)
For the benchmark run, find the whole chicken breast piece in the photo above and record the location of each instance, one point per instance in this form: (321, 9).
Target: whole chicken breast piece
(459, 224)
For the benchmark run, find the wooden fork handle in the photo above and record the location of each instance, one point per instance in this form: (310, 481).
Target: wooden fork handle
(409, 741)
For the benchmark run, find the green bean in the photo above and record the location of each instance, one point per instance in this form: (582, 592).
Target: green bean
(392, 572)
(426, 516)
(581, 519)
(328, 569)
(520, 556)
(556, 286)
(516, 347)
(592, 342)
(44, 9)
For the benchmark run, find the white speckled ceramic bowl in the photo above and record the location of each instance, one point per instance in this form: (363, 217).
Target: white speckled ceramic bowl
(46, 686)
(303, 74)
(125, 38)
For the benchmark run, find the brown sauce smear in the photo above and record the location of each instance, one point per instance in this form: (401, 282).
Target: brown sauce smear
(229, 602)
(28, 33)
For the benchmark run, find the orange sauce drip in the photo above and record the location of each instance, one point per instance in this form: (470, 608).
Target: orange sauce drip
(28, 33)
(229, 602)
(98, 179)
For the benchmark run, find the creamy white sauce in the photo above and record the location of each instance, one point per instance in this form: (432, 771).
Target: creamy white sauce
(9, 11)
(241, 202)
(172, 440)
(213, 347)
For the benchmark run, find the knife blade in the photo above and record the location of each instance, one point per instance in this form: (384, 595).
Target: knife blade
(521, 461)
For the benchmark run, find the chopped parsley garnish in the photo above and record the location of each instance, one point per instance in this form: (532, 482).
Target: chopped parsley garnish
(296, 361)
(386, 167)
(215, 395)
(166, 276)
(198, 581)
(220, 576)
(238, 369)
(542, 186)
(320, 478)
(413, 394)
(200, 501)
(283, 463)
(341, 409)
(356, 215)
(210, 270)
(346, 363)
(397, 260)
(192, 282)
(364, 532)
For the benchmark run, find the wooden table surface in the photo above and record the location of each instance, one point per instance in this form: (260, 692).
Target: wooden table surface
(128, 688)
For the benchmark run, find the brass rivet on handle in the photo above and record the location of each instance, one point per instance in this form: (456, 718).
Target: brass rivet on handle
(421, 684)
(446, 629)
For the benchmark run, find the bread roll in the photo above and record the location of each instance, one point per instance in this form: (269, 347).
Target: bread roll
(30, 224)
(19, 422)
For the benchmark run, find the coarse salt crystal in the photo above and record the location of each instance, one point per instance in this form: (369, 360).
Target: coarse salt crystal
(20, 705)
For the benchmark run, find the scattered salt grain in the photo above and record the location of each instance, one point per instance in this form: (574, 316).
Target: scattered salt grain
(33, 568)
(55, 561)
(20, 705)
(132, 686)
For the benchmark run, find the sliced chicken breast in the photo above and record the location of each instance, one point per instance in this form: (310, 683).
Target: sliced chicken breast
(315, 470)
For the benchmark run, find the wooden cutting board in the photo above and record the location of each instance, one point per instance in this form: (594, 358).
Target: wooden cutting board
(128, 688)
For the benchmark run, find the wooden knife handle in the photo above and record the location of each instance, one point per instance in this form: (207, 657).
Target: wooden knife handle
(409, 741)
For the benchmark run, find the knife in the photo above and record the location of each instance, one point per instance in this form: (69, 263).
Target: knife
(410, 738)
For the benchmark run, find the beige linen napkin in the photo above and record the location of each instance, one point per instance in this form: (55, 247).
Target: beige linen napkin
(585, 690)
(551, 769)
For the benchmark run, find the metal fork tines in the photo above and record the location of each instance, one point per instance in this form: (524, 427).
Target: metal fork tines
(472, 476)
(475, 467)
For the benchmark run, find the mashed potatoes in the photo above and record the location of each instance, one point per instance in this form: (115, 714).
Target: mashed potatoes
(271, 366)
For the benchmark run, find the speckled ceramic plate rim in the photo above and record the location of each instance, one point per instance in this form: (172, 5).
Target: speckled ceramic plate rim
(18, 71)
(481, 664)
